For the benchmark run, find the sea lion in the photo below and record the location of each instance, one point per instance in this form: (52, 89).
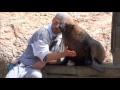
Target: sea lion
(90, 52)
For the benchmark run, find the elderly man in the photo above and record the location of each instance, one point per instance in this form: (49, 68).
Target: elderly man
(45, 46)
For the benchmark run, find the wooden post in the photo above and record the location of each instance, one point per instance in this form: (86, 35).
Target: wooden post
(115, 38)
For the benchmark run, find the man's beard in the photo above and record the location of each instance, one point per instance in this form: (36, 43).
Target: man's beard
(56, 29)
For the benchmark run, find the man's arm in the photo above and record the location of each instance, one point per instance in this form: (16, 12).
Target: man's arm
(56, 56)
(39, 64)
(53, 58)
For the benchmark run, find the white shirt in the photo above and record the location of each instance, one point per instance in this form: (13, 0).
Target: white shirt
(41, 48)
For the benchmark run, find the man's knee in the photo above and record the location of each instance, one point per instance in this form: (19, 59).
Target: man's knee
(36, 74)
(33, 74)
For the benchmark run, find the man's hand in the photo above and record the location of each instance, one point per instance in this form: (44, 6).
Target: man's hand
(39, 65)
(69, 52)
(58, 55)
(53, 61)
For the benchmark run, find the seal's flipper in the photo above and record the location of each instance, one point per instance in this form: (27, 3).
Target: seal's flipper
(97, 67)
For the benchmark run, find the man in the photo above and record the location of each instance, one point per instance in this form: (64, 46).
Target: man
(45, 46)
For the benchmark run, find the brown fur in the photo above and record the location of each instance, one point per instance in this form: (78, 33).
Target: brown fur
(79, 40)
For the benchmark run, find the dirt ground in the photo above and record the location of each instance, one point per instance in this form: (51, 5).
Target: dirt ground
(97, 24)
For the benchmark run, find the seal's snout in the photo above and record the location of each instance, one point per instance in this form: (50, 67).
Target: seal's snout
(62, 27)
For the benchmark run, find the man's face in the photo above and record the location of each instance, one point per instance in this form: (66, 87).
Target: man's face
(55, 25)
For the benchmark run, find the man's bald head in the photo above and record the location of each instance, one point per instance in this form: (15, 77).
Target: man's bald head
(59, 17)
(62, 15)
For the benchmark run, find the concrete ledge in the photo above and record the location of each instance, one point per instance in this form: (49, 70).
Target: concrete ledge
(56, 71)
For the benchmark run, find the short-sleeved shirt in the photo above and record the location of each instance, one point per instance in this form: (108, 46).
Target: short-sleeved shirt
(38, 45)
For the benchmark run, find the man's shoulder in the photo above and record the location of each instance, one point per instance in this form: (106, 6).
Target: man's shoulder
(41, 29)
